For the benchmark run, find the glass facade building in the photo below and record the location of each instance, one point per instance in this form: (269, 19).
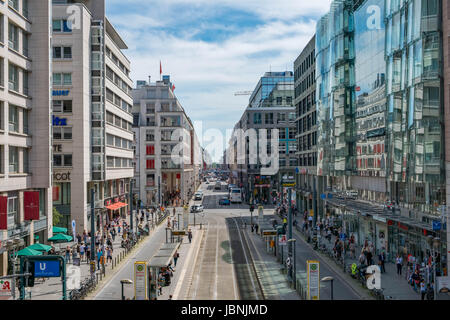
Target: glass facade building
(265, 86)
(415, 129)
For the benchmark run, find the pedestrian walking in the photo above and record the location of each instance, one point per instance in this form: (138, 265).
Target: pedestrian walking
(256, 228)
(99, 256)
(82, 252)
(190, 235)
(430, 291)
(175, 258)
(174, 211)
(68, 254)
(423, 289)
(399, 261)
(108, 254)
(381, 261)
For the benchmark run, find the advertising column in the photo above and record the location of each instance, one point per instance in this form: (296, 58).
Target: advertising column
(313, 277)
(140, 280)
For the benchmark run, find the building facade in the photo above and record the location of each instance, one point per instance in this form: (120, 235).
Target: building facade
(92, 120)
(380, 104)
(168, 155)
(306, 122)
(270, 107)
(25, 123)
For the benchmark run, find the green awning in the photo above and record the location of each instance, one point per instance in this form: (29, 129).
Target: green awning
(60, 237)
(36, 237)
(59, 230)
(28, 252)
(40, 247)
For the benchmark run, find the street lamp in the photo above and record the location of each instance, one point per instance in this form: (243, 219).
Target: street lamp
(295, 264)
(330, 279)
(122, 282)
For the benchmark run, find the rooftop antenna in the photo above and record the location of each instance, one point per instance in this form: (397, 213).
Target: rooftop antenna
(149, 80)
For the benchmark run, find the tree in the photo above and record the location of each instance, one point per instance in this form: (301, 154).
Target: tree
(56, 217)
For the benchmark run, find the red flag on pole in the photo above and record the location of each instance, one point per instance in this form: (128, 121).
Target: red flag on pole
(3, 213)
(160, 68)
(173, 87)
(31, 205)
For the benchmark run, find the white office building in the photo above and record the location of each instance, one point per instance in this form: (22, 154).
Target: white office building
(92, 120)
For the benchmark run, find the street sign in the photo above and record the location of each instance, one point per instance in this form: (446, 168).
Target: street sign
(73, 277)
(140, 280)
(5, 288)
(178, 232)
(323, 196)
(330, 196)
(73, 231)
(313, 277)
(436, 225)
(269, 232)
(47, 269)
(282, 240)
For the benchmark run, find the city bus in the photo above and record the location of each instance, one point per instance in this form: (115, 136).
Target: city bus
(236, 195)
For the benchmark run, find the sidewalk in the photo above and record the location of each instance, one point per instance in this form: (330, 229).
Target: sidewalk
(393, 285)
(51, 288)
(273, 281)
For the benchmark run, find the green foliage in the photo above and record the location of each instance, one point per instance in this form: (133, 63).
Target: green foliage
(56, 217)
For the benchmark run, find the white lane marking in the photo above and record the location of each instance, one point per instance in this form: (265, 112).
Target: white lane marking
(201, 265)
(246, 259)
(217, 262)
(187, 263)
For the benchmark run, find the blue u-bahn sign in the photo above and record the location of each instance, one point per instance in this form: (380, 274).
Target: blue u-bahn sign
(47, 268)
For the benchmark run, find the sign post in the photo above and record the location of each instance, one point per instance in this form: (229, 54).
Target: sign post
(282, 240)
(313, 277)
(73, 231)
(140, 280)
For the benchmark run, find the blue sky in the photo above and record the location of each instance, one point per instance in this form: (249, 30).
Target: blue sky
(213, 48)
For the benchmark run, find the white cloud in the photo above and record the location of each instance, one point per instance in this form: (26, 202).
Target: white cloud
(206, 74)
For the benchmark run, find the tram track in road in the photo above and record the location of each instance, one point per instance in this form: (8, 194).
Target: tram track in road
(251, 276)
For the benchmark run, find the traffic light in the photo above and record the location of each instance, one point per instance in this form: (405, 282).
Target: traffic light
(29, 268)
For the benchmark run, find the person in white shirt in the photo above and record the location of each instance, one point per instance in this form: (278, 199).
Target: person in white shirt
(399, 261)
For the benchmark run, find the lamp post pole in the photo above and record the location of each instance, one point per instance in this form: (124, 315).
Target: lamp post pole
(92, 224)
(131, 208)
(293, 241)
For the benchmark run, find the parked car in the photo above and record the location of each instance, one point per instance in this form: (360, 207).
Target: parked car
(224, 201)
(218, 186)
(197, 208)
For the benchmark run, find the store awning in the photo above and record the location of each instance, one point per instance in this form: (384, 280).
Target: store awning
(59, 230)
(116, 206)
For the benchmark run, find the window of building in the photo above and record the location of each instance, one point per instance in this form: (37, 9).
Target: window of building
(13, 36)
(61, 25)
(150, 149)
(150, 180)
(150, 135)
(150, 163)
(13, 77)
(62, 193)
(62, 79)
(26, 157)
(268, 118)
(257, 118)
(282, 133)
(13, 118)
(62, 106)
(279, 101)
(13, 211)
(25, 82)
(62, 52)
(25, 121)
(62, 160)
(13, 159)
